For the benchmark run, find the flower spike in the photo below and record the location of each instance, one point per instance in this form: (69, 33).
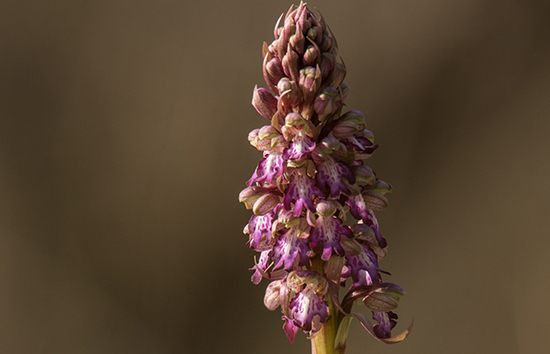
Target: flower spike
(311, 174)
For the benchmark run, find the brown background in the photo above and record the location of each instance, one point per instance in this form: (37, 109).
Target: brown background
(123, 148)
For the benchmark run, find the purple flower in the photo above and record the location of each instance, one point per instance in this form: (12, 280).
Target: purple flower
(308, 310)
(260, 268)
(259, 228)
(363, 267)
(269, 169)
(301, 190)
(327, 233)
(331, 173)
(310, 175)
(386, 321)
(290, 249)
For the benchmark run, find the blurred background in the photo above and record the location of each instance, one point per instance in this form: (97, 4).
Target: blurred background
(123, 147)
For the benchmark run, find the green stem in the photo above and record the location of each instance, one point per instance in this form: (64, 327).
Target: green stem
(324, 341)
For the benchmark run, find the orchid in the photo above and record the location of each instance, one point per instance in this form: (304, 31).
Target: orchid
(311, 177)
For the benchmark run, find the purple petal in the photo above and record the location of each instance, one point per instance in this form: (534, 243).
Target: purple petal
(366, 261)
(386, 321)
(327, 232)
(330, 174)
(290, 329)
(300, 190)
(259, 228)
(260, 268)
(289, 247)
(357, 207)
(300, 146)
(359, 210)
(304, 308)
(373, 223)
(370, 328)
(269, 168)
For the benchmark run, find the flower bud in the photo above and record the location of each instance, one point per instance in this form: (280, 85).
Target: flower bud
(266, 203)
(264, 102)
(302, 21)
(290, 94)
(385, 298)
(249, 195)
(310, 82)
(380, 187)
(314, 33)
(291, 64)
(349, 124)
(311, 55)
(362, 231)
(375, 201)
(363, 174)
(331, 144)
(297, 40)
(326, 208)
(267, 132)
(327, 43)
(271, 298)
(379, 302)
(294, 119)
(344, 91)
(278, 46)
(337, 75)
(367, 134)
(327, 63)
(326, 103)
(252, 136)
(289, 28)
(272, 71)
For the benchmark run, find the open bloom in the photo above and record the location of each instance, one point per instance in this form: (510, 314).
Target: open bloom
(311, 175)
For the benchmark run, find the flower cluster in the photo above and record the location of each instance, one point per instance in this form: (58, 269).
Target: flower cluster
(311, 175)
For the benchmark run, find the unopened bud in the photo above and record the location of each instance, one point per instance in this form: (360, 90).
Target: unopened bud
(289, 28)
(326, 103)
(380, 187)
(290, 63)
(375, 201)
(326, 208)
(327, 43)
(293, 119)
(337, 76)
(362, 231)
(327, 63)
(349, 124)
(272, 71)
(379, 302)
(265, 204)
(272, 298)
(310, 82)
(268, 132)
(290, 94)
(363, 174)
(264, 102)
(250, 195)
(385, 298)
(311, 55)
(344, 91)
(314, 33)
(297, 40)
